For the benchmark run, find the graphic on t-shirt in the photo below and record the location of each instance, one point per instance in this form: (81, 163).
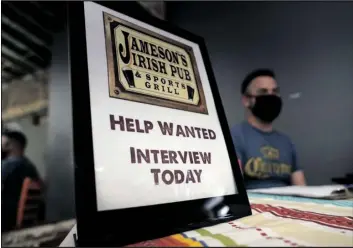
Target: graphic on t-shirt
(267, 165)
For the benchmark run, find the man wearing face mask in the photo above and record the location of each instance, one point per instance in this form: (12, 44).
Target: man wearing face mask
(15, 167)
(267, 157)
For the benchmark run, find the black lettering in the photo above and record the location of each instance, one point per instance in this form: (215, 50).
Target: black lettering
(164, 177)
(175, 58)
(126, 58)
(134, 44)
(179, 176)
(155, 65)
(198, 175)
(191, 158)
(198, 132)
(145, 156)
(166, 128)
(168, 55)
(138, 128)
(196, 157)
(155, 175)
(154, 50)
(183, 156)
(189, 131)
(119, 122)
(141, 61)
(161, 52)
(148, 126)
(132, 155)
(183, 60)
(172, 157)
(144, 47)
(212, 134)
(187, 75)
(173, 69)
(155, 155)
(204, 133)
(164, 156)
(179, 131)
(180, 73)
(190, 177)
(134, 59)
(206, 157)
(148, 63)
(129, 125)
(162, 67)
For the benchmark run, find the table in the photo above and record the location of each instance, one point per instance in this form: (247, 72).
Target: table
(276, 221)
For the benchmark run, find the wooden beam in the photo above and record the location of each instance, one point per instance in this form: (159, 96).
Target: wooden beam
(20, 60)
(33, 58)
(15, 21)
(13, 71)
(26, 39)
(36, 15)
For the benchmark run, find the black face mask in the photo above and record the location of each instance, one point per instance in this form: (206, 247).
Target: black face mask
(267, 107)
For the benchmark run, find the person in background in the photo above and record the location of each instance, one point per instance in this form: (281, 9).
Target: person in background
(268, 157)
(15, 167)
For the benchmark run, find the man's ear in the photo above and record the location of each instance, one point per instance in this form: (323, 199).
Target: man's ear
(246, 101)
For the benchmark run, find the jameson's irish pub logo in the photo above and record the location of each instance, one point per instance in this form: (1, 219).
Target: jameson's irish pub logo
(147, 67)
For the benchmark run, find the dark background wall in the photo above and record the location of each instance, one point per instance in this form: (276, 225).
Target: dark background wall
(310, 46)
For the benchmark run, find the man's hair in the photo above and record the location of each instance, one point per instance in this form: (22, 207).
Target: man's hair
(18, 137)
(254, 74)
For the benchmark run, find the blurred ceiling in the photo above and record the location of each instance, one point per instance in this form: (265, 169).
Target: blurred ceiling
(26, 36)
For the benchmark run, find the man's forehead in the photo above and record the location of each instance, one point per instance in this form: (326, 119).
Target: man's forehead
(263, 82)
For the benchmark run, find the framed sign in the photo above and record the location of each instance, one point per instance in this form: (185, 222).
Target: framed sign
(153, 151)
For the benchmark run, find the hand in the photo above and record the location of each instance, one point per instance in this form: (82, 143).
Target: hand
(298, 178)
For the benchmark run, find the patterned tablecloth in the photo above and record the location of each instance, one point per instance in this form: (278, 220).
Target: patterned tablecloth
(276, 221)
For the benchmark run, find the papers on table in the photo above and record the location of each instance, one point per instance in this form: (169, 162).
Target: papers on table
(69, 240)
(326, 191)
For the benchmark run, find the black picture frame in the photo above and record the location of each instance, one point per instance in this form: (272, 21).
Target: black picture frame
(132, 225)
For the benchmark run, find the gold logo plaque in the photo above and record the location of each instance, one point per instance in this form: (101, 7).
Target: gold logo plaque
(150, 68)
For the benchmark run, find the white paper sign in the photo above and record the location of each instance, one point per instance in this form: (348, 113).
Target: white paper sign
(156, 134)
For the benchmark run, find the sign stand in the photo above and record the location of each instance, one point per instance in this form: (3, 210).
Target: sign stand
(152, 147)
(75, 239)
